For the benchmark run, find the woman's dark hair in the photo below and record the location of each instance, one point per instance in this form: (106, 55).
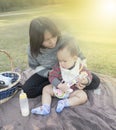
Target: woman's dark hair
(36, 33)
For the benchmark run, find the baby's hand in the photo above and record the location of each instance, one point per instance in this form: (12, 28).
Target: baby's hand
(80, 86)
(82, 83)
(63, 87)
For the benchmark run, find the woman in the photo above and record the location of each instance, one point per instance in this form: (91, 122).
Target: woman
(45, 39)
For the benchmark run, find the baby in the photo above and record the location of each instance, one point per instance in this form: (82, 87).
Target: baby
(68, 78)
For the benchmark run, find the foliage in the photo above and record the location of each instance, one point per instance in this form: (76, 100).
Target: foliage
(97, 42)
(9, 5)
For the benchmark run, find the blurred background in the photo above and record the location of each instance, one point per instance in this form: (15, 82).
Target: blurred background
(92, 22)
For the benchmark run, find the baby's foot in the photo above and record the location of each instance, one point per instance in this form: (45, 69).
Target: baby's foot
(61, 105)
(42, 110)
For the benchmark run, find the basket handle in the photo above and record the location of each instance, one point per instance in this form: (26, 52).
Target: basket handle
(10, 58)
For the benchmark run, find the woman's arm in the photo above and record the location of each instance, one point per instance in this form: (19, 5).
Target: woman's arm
(33, 63)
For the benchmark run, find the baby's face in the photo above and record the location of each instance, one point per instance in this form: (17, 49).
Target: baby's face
(66, 60)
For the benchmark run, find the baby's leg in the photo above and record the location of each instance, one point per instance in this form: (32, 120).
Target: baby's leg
(47, 94)
(46, 101)
(76, 98)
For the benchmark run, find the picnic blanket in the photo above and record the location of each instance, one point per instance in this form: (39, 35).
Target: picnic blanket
(98, 113)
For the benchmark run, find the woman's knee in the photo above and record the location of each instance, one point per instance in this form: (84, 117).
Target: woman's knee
(94, 84)
(96, 81)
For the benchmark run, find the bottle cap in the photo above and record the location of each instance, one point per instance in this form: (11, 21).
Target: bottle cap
(22, 94)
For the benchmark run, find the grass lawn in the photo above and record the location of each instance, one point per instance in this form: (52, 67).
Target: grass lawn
(96, 39)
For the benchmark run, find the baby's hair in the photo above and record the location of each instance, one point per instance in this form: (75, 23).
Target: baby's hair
(71, 46)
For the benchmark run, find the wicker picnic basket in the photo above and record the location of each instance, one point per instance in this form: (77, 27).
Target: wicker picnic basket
(9, 91)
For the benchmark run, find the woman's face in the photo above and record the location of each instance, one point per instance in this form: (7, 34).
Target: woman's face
(49, 40)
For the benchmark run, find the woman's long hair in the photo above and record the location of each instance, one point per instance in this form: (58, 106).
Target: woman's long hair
(37, 29)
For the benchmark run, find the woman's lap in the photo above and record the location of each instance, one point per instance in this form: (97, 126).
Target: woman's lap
(94, 84)
(34, 85)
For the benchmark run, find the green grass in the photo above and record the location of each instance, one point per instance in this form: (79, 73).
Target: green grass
(97, 42)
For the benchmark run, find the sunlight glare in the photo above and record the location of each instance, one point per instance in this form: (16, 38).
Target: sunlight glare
(108, 8)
